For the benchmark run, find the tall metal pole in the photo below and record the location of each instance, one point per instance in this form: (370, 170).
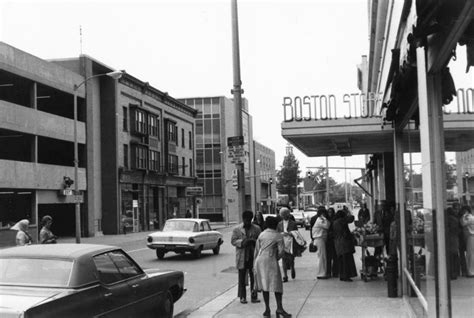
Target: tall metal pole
(76, 179)
(327, 182)
(297, 196)
(237, 91)
(345, 179)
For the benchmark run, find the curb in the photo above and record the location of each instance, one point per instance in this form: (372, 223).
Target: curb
(216, 305)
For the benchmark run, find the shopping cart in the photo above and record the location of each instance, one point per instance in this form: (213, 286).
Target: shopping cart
(371, 264)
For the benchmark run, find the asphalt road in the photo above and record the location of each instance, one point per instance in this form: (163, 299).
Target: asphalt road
(204, 278)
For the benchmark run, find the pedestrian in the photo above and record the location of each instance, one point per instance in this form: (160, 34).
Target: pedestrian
(462, 242)
(268, 250)
(344, 243)
(243, 238)
(364, 214)
(319, 236)
(384, 218)
(453, 243)
(332, 267)
(285, 226)
(46, 236)
(188, 214)
(259, 221)
(467, 223)
(22, 236)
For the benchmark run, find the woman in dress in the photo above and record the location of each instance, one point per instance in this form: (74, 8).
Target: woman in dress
(285, 227)
(268, 250)
(319, 235)
(332, 269)
(258, 220)
(467, 222)
(46, 236)
(344, 244)
(22, 236)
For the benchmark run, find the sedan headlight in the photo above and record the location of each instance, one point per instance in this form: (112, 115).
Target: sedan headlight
(191, 240)
(149, 239)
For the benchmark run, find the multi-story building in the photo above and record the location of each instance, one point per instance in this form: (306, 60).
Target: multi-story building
(264, 177)
(214, 124)
(135, 147)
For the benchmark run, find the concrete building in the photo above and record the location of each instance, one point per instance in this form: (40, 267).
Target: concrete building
(135, 147)
(265, 181)
(215, 123)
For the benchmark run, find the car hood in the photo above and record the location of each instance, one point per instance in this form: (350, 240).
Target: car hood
(15, 300)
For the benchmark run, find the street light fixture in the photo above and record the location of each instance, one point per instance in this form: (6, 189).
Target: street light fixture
(115, 75)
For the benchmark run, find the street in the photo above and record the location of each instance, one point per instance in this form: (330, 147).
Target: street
(204, 278)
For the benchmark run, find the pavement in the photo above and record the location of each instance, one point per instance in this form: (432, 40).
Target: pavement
(305, 296)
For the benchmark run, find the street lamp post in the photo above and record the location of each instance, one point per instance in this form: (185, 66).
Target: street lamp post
(468, 195)
(114, 75)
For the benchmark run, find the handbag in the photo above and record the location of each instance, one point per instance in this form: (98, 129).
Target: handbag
(313, 248)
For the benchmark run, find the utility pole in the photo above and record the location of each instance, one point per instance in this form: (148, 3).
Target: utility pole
(237, 91)
(327, 182)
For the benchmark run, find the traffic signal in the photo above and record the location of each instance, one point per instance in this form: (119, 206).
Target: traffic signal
(308, 174)
(68, 182)
(271, 180)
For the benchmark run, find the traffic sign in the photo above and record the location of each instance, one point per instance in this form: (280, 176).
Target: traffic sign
(194, 191)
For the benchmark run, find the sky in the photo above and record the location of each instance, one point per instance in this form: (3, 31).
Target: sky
(287, 48)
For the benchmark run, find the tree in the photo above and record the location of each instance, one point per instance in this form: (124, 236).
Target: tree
(319, 185)
(450, 175)
(288, 176)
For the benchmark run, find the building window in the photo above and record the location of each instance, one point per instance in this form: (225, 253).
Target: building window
(140, 157)
(172, 132)
(154, 160)
(172, 164)
(125, 118)
(182, 137)
(183, 166)
(190, 136)
(190, 167)
(125, 156)
(153, 125)
(140, 121)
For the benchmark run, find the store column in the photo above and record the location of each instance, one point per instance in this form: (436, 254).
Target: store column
(400, 203)
(432, 157)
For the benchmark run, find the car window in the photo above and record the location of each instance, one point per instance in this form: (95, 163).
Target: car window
(35, 272)
(126, 266)
(202, 227)
(179, 225)
(207, 227)
(108, 272)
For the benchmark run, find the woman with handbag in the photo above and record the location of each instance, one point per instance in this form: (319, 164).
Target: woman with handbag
(319, 234)
(268, 250)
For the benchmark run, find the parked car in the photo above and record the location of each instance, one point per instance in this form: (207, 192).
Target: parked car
(299, 218)
(83, 280)
(309, 213)
(185, 235)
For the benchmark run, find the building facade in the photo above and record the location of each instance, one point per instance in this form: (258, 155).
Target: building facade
(215, 123)
(265, 182)
(136, 151)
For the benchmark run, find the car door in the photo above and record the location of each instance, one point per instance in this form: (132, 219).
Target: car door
(211, 237)
(144, 297)
(201, 237)
(115, 289)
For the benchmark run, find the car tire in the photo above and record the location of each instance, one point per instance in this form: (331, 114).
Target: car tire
(160, 254)
(166, 307)
(197, 252)
(217, 249)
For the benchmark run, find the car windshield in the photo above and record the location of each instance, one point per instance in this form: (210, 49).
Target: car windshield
(35, 272)
(180, 225)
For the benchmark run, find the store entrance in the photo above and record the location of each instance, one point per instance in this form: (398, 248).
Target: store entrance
(63, 218)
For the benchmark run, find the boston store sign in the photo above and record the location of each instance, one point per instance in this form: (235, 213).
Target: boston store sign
(357, 105)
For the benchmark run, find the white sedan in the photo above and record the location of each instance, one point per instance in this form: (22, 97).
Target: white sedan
(185, 235)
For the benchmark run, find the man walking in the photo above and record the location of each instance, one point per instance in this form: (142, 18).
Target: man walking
(243, 238)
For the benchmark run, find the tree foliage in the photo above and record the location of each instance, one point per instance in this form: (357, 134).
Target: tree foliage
(288, 177)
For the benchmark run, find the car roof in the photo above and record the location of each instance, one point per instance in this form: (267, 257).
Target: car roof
(65, 251)
(188, 219)
(84, 270)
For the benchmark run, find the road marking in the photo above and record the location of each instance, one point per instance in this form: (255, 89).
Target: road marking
(140, 249)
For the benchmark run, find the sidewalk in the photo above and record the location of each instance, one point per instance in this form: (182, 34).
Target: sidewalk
(307, 297)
